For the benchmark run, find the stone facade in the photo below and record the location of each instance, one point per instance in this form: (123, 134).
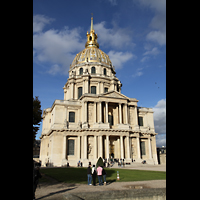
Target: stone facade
(95, 119)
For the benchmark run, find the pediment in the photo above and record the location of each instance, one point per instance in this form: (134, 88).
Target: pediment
(114, 94)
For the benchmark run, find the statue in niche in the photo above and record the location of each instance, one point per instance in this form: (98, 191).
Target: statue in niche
(89, 148)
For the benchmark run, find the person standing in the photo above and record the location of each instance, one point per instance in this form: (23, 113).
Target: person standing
(94, 175)
(104, 175)
(89, 174)
(99, 174)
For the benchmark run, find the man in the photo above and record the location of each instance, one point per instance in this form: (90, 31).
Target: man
(94, 174)
(89, 173)
(99, 174)
(36, 176)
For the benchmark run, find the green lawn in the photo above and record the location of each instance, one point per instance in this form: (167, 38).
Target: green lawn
(79, 175)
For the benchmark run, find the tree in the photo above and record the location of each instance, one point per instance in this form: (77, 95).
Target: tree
(37, 118)
(99, 162)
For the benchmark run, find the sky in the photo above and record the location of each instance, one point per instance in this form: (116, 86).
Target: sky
(131, 32)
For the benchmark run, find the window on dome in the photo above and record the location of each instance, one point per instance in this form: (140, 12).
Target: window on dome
(90, 38)
(79, 92)
(104, 71)
(93, 89)
(93, 70)
(80, 71)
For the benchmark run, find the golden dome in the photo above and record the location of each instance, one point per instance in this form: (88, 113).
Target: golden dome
(91, 53)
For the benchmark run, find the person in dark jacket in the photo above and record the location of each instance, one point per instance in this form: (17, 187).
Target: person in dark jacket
(94, 175)
(36, 176)
(89, 173)
(104, 175)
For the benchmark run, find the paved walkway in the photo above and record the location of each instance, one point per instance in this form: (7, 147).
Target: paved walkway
(54, 190)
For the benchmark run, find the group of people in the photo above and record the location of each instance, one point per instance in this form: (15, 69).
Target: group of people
(93, 172)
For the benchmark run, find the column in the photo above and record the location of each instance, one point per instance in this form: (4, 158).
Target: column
(83, 86)
(95, 147)
(127, 148)
(64, 147)
(100, 146)
(125, 114)
(120, 113)
(107, 146)
(100, 112)
(72, 90)
(122, 147)
(138, 147)
(149, 142)
(85, 110)
(84, 146)
(135, 114)
(95, 112)
(106, 112)
(78, 147)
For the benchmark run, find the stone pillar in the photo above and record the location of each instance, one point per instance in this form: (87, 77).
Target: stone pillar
(100, 146)
(78, 147)
(83, 86)
(95, 147)
(84, 146)
(72, 90)
(138, 147)
(95, 112)
(136, 116)
(122, 147)
(127, 149)
(64, 147)
(85, 110)
(120, 113)
(100, 112)
(125, 114)
(149, 145)
(107, 146)
(106, 112)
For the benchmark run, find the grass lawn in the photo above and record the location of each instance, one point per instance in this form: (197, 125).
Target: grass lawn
(79, 175)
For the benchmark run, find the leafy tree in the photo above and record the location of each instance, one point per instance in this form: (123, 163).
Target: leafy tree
(99, 162)
(37, 118)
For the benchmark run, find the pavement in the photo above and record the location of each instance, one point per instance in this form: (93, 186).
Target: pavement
(54, 190)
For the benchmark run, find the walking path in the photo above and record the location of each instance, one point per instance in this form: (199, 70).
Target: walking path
(54, 190)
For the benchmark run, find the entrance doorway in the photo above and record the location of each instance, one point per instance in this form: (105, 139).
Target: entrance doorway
(111, 152)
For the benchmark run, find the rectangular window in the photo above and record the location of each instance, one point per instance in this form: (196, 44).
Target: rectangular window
(79, 92)
(71, 116)
(105, 89)
(142, 147)
(110, 120)
(70, 147)
(93, 89)
(140, 121)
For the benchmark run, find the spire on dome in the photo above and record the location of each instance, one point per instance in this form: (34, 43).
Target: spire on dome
(91, 29)
(91, 37)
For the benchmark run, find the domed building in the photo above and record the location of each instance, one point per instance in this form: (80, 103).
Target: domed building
(95, 119)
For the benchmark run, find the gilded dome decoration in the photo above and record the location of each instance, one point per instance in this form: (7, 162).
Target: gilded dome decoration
(91, 53)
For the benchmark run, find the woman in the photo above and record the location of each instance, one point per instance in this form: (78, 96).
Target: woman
(94, 175)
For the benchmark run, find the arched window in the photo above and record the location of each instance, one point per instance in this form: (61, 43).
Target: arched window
(81, 71)
(79, 92)
(104, 71)
(71, 116)
(93, 70)
(93, 89)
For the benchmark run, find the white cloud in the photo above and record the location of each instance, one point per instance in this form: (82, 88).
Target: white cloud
(158, 22)
(113, 2)
(57, 48)
(160, 121)
(145, 58)
(39, 22)
(153, 52)
(115, 37)
(138, 72)
(119, 58)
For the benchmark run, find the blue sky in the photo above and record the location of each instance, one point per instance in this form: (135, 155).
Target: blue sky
(132, 33)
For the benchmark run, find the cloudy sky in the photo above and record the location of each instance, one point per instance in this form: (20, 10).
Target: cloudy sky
(131, 32)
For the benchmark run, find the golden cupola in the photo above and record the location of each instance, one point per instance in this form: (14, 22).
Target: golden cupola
(91, 54)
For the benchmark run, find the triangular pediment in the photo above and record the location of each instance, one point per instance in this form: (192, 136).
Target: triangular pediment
(114, 94)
